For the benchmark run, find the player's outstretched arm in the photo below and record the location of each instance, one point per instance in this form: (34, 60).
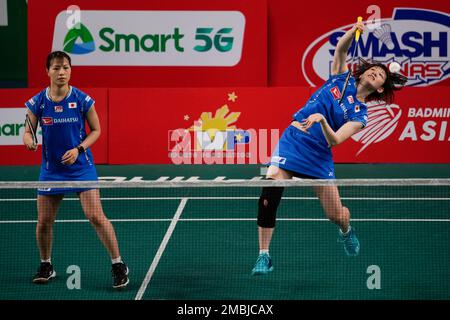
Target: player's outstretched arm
(339, 64)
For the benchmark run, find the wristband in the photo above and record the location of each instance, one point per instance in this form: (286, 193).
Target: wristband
(80, 149)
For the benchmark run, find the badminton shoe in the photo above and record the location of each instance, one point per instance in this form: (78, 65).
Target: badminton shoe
(350, 241)
(120, 274)
(45, 273)
(263, 265)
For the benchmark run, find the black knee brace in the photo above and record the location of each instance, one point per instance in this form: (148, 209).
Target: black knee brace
(267, 206)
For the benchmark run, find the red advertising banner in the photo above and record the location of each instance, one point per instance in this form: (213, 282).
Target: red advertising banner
(415, 129)
(154, 43)
(242, 125)
(12, 119)
(195, 126)
(303, 36)
(236, 126)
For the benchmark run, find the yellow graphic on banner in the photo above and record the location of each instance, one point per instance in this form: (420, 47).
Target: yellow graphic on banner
(214, 129)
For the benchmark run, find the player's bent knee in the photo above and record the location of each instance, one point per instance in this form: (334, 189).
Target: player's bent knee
(95, 220)
(267, 206)
(45, 225)
(276, 173)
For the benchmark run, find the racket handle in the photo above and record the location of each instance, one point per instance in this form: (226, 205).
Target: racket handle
(358, 32)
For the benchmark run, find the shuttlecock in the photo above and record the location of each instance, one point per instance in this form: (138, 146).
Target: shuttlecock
(394, 67)
(383, 33)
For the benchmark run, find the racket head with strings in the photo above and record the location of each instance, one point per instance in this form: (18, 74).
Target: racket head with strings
(32, 129)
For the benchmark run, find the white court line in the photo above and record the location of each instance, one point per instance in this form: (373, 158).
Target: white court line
(321, 219)
(86, 220)
(161, 249)
(241, 198)
(239, 219)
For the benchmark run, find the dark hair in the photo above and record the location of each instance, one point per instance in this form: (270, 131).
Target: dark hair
(57, 55)
(394, 81)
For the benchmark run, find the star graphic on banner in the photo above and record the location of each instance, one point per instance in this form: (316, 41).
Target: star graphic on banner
(232, 96)
(239, 137)
(186, 117)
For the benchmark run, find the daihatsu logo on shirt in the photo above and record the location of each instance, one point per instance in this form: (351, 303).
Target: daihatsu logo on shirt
(65, 120)
(47, 121)
(152, 38)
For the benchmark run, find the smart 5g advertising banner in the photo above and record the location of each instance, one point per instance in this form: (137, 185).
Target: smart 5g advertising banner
(230, 43)
(117, 38)
(152, 43)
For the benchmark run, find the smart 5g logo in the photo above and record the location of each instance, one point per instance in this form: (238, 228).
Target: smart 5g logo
(150, 38)
(222, 44)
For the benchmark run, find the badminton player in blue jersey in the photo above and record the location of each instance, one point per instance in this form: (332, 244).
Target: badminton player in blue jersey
(61, 110)
(329, 117)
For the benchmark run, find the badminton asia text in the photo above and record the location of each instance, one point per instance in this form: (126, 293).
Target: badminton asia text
(226, 309)
(432, 129)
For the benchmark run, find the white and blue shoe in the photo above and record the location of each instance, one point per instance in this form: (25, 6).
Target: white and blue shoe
(263, 265)
(350, 241)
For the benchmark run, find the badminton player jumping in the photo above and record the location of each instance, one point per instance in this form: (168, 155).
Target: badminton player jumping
(335, 112)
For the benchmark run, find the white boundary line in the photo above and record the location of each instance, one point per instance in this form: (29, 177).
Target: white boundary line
(161, 249)
(237, 219)
(241, 198)
(242, 183)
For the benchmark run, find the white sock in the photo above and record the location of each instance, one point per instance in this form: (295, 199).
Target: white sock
(348, 230)
(49, 260)
(116, 260)
(265, 251)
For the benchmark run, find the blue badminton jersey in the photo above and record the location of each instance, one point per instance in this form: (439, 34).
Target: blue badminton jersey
(63, 128)
(309, 153)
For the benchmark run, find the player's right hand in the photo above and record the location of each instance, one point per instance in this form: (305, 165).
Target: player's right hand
(29, 143)
(358, 26)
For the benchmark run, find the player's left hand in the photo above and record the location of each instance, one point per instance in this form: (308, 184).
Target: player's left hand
(314, 118)
(70, 157)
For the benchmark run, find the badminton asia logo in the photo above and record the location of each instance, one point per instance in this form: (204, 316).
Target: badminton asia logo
(217, 140)
(79, 40)
(416, 38)
(416, 124)
(383, 119)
